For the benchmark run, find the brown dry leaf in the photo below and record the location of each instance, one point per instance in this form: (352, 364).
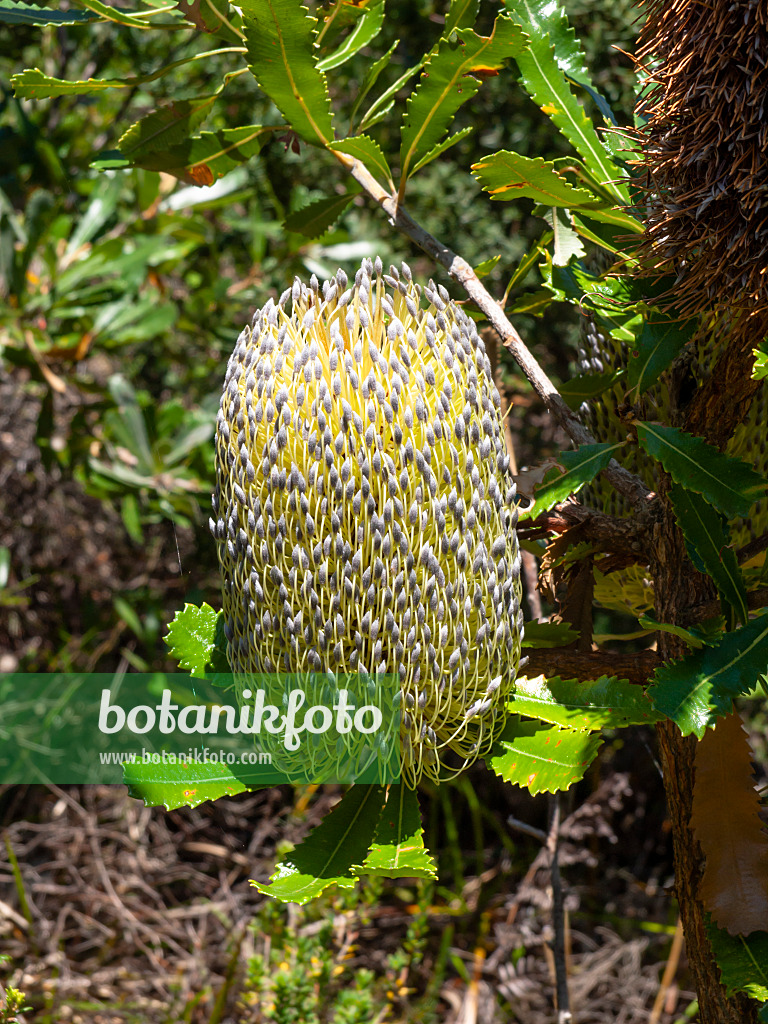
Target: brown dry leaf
(725, 818)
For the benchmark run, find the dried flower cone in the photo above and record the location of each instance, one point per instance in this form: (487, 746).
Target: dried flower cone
(705, 150)
(364, 510)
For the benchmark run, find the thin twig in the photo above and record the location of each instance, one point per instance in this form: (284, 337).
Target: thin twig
(670, 971)
(626, 483)
(558, 916)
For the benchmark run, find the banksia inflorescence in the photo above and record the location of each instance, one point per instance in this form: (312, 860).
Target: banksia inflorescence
(364, 510)
(705, 151)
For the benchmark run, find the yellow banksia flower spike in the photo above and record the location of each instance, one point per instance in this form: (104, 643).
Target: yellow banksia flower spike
(364, 509)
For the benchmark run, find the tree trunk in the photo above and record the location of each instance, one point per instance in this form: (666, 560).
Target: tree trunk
(678, 587)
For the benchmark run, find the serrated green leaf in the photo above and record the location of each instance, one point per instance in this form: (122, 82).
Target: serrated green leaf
(588, 386)
(165, 127)
(329, 854)
(178, 785)
(547, 85)
(727, 483)
(34, 85)
(205, 158)
(371, 77)
(578, 468)
(743, 960)
(366, 29)
(549, 634)
(365, 149)
(398, 847)
(505, 175)
(13, 13)
(708, 548)
(533, 303)
(542, 758)
(280, 38)
(656, 346)
(604, 703)
(314, 219)
(441, 147)
(461, 14)
(380, 106)
(193, 637)
(698, 689)
(447, 81)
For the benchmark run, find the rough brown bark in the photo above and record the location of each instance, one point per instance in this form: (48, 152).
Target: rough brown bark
(678, 588)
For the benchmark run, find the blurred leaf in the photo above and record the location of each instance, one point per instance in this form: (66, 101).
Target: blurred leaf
(695, 691)
(314, 219)
(447, 82)
(398, 848)
(13, 13)
(5, 566)
(204, 158)
(604, 703)
(727, 483)
(97, 214)
(542, 758)
(366, 29)
(708, 548)
(369, 152)
(128, 422)
(129, 512)
(167, 126)
(330, 852)
(280, 36)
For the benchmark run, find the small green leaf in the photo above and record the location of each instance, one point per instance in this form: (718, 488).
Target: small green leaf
(187, 785)
(441, 147)
(542, 758)
(32, 84)
(588, 386)
(371, 77)
(578, 468)
(651, 625)
(743, 960)
(280, 37)
(549, 634)
(657, 345)
(708, 548)
(193, 636)
(448, 81)
(329, 854)
(461, 14)
(505, 175)
(532, 303)
(314, 219)
(760, 369)
(698, 689)
(484, 269)
(363, 148)
(366, 29)
(165, 127)
(398, 848)
(13, 13)
(727, 483)
(604, 703)
(528, 261)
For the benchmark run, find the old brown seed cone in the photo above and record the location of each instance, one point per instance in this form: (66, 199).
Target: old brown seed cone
(705, 152)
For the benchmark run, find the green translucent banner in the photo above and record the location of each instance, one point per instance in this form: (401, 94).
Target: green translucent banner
(155, 728)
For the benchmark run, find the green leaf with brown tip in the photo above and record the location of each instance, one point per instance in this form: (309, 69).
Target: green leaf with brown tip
(505, 176)
(205, 158)
(280, 38)
(187, 785)
(398, 849)
(542, 758)
(727, 483)
(329, 853)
